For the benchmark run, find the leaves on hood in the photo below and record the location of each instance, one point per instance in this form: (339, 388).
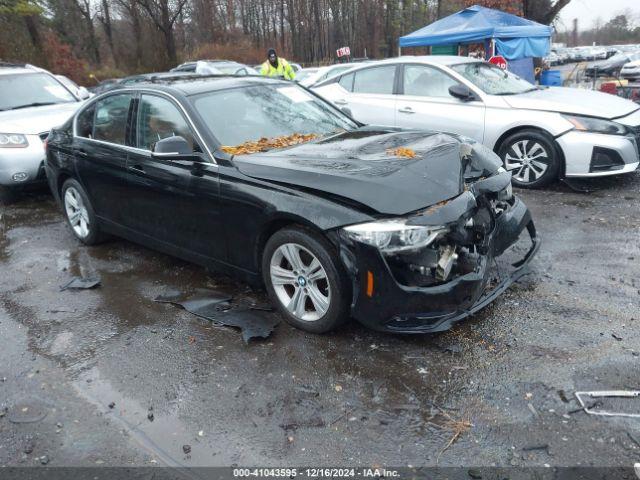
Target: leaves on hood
(402, 152)
(266, 144)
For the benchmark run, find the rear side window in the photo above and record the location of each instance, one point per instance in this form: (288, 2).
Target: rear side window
(375, 80)
(159, 118)
(110, 124)
(84, 123)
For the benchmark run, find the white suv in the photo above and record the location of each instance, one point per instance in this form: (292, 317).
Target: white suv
(32, 101)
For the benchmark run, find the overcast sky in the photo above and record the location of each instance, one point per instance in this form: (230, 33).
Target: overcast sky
(587, 11)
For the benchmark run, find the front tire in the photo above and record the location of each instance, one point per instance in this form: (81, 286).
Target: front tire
(532, 158)
(305, 280)
(79, 213)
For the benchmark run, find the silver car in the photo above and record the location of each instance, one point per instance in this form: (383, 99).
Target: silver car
(540, 133)
(32, 102)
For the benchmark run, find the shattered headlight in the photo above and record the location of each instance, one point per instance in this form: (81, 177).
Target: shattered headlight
(13, 140)
(596, 125)
(394, 236)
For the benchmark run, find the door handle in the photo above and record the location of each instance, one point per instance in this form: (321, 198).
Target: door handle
(82, 153)
(137, 168)
(340, 102)
(408, 110)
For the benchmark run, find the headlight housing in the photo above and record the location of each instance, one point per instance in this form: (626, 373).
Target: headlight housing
(394, 236)
(13, 140)
(596, 125)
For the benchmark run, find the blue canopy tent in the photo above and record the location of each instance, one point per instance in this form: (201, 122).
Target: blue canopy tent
(513, 37)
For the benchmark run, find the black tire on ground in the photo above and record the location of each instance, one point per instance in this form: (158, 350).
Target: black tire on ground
(538, 154)
(94, 235)
(337, 282)
(7, 195)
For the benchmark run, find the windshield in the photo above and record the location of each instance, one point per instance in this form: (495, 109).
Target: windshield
(306, 73)
(32, 89)
(232, 68)
(254, 113)
(493, 80)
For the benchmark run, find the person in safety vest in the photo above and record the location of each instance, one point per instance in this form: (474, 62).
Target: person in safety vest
(277, 67)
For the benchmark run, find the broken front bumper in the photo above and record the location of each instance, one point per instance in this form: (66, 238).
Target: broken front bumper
(381, 303)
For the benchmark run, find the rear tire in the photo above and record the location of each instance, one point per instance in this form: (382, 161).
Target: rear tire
(79, 213)
(305, 280)
(532, 157)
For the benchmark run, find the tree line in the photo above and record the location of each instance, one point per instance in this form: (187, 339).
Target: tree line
(117, 37)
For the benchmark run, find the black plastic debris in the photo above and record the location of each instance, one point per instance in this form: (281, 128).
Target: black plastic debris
(79, 283)
(253, 323)
(216, 307)
(204, 303)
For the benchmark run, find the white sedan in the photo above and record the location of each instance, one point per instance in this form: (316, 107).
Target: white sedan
(310, 76)
(540, 133)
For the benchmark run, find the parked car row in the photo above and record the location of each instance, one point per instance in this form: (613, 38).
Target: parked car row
(606, 60)
(384, 193)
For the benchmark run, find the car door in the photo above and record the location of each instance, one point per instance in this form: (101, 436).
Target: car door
(100, 149)
(424, 102)
(165, 196)
(369, 94)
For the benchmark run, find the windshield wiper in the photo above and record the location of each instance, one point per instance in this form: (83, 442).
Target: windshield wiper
(517, 93)
(34, 104)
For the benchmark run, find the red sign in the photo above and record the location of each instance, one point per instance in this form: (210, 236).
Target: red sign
(499, 61)
(343, 52)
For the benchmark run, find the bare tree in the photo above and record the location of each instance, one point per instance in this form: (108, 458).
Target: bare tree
(164, 14)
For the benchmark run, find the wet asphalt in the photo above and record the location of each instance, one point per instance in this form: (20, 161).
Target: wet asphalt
(110, 377)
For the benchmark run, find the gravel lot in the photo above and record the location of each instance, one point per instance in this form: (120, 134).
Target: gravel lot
(110, 377)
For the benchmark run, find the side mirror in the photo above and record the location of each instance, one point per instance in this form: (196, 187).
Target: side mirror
(347, 110)
(461, 92)
(174, 148)
(83, 93)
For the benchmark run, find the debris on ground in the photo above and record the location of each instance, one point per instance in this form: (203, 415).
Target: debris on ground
(186, 449)
(112, 405)
(266, 144)
(402, 152)
(79, 283)
(44, 459)
(598, 398)
(203, 303)
(216, 307)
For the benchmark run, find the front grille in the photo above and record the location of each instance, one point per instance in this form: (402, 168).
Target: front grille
(43, 136)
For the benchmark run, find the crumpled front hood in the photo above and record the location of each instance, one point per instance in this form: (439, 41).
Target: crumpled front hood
(360, 167)
(35, 120)
(573, 100)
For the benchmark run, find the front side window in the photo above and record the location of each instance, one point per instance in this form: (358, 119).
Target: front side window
(31, 90)
(375, 80)
(346, 82)
(493, 80)
(110, 124)
(255, 112)
(159, 118)
(423, 81)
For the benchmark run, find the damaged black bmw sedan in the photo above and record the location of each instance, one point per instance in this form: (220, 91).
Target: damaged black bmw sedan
(263, 180)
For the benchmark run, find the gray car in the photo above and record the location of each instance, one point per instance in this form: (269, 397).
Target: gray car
(32, 102)
(540, 133)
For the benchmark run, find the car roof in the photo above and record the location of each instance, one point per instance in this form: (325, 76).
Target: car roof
(8, 68)
(196, 84)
